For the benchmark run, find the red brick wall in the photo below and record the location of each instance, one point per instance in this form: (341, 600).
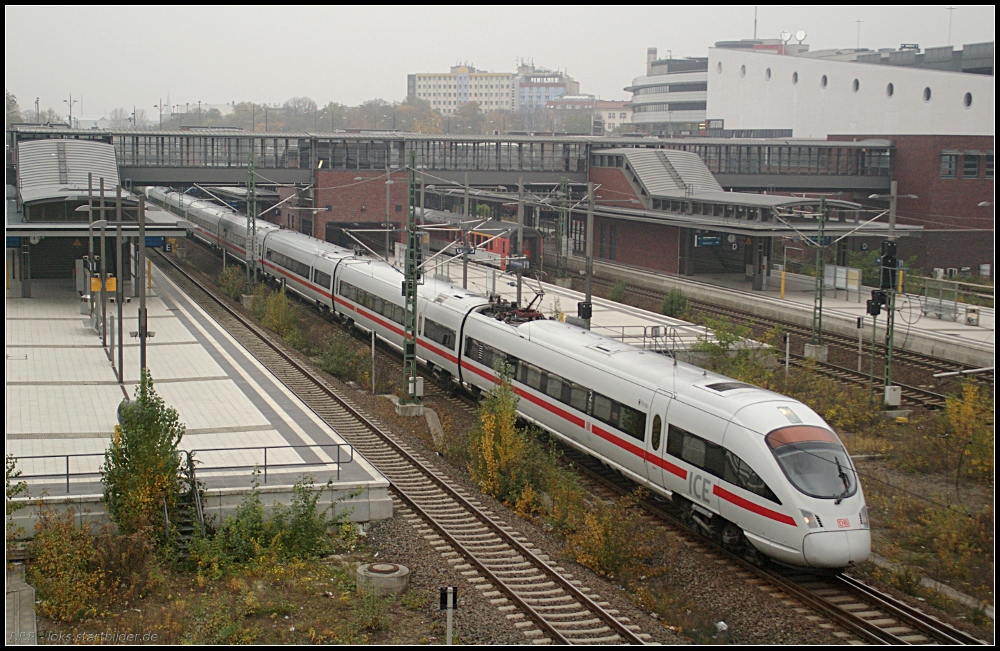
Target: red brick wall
(957, 231)
(352, 200)
(615, 189)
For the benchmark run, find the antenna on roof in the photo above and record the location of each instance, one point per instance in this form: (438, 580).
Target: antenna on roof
(785, 35)
(800, 36)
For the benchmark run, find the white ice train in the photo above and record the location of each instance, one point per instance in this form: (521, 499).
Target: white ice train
(759, 472)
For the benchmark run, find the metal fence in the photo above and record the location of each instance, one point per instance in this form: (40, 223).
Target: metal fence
(76, 466)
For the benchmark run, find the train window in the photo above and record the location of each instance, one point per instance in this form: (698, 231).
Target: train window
(377, 304)
(657, 426)
(322, 279)
(738, 473)
(349, 291)
(633, 422)
(554, 387)
(439, 333)
(578, 398)
(397, 313)
(602, 407)
(693, 451)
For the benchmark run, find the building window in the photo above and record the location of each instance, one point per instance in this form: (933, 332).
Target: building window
(970, 167)
(949, 165)
(989, 166)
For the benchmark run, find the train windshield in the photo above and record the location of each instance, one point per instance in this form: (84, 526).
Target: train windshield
(814, 460)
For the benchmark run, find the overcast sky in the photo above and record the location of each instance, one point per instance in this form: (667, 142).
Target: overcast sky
(120, 57)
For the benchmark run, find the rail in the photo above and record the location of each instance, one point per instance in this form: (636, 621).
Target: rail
(342, 450)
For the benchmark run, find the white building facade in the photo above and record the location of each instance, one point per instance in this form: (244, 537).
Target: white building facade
(447, 91)
(815, 97)
(670, 99)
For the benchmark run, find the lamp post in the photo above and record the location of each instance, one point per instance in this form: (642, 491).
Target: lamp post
(160, 107)
(71, 102)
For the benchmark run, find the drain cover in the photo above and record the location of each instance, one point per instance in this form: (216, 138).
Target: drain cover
(383, 568)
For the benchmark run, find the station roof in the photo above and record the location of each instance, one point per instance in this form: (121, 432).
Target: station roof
(28, 132)
(676, 174)
(58, 169)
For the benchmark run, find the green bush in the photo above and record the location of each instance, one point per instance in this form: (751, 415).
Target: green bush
(675, 304)
(617, 293)
(342, 359)
(141, 467)
(62, 569)
(233, 281)
(612, 540)
(251, 537)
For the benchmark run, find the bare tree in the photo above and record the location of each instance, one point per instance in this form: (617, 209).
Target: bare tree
(119, 118)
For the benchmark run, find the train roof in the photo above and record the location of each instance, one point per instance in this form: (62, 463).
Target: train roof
(430, 289)
(306, 243)
(718, 393)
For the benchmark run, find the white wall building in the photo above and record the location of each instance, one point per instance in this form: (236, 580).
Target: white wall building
(670, 99)
(447, 91)
(814, 97)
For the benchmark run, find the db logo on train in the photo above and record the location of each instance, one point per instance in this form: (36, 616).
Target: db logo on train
(843, 523)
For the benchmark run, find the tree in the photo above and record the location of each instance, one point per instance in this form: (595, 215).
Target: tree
(119, 118)
(13, 111)
(49, 116)
(334, 116)
(468, 119)
(141, 468)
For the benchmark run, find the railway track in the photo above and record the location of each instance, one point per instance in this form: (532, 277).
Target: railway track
(912, 396)
(541, 597)
(859, 610)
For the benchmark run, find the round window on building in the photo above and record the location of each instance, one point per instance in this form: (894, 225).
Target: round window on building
(743, 71)
(718, 67)
(822, 81)
(967, 100)
(889, 90)
(927, 94)
(856, 85)
(767, 74)
(795, 78)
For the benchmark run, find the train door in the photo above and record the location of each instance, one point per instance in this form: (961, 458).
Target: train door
(656, 438)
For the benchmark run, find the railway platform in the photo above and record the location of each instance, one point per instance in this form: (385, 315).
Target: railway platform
(957, 341)
(63, 395)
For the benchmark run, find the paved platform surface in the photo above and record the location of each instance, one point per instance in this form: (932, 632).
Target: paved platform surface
(19, 603)
(62, 395)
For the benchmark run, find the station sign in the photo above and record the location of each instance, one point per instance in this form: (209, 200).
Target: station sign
(517, 264)
(461, 250)
(13, 242)
(707, 240)
(155, 242)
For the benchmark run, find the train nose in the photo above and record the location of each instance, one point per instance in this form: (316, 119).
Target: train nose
(833, 549)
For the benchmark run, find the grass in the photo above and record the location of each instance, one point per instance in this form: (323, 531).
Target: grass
(289, 603)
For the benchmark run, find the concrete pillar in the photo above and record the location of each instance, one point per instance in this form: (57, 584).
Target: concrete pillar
(758, 259)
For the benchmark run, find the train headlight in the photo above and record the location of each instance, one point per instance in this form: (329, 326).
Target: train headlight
(864, 516)
(811, 519)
